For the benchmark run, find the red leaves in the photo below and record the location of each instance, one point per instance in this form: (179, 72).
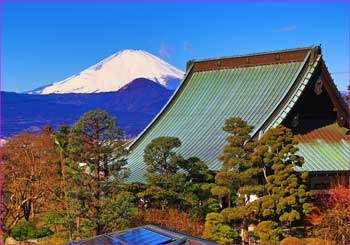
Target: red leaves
(174, 219)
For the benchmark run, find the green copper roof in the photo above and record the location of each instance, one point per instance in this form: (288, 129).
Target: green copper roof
(325, 149)
(197, 115)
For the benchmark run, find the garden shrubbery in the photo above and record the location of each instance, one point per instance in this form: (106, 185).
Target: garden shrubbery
(26, 230)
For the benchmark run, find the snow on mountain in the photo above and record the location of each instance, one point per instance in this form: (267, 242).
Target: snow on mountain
(116, 71)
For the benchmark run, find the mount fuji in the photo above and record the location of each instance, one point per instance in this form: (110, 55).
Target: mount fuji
(116, 71)
(132, 85)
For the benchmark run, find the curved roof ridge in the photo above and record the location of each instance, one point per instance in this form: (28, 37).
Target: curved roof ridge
(257, 53)
(255, 59)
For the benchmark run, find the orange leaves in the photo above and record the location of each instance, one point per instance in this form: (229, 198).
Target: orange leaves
(174, 219)
(334, 222)
(314, 217)
(28, 176)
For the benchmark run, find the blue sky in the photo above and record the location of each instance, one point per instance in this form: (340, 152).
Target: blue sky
(47, 42)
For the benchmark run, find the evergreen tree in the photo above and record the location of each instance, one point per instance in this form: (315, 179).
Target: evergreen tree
(174, 181)
(118, 211)
(160, 157)
(268, 232)
(239, 174)
(217, 231)
(60, 215)
(61, 147)
(96, 149)
(287, 195)
(165, 185)
(199, 181)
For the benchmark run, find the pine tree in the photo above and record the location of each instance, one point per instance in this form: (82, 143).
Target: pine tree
(268, 232)
(60, 216)
(173, 181)
(287, 191)
(160, 157)
(199, 181)
(118, 211)
(96, 150)
(165, 185)
(216, 230)
(239, 174)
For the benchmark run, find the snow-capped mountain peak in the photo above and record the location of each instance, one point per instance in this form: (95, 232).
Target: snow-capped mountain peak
(116, 71)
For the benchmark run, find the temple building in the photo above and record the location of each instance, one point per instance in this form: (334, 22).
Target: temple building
(291, 87)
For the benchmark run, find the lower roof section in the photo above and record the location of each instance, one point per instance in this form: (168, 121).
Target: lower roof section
(325, 149)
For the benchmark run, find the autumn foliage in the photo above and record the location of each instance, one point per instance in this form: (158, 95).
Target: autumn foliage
(71, 183)
(29, 177)
(334, 219)
(173, 219)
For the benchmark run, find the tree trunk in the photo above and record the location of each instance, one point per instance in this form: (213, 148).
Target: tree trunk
(96, 204)
(105, 167)
(265, 176)
(64, 192)
(245, 235)
(27, 210)
(77, 222)
(32, 211)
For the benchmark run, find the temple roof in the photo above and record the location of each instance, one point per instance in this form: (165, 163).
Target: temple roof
(325, 149)
(261, 89)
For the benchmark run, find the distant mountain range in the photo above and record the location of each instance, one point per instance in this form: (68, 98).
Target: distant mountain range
(134, 106)
(114, 72)
(132, 85)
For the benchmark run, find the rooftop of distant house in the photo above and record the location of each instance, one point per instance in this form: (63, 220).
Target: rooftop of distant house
(148, 234)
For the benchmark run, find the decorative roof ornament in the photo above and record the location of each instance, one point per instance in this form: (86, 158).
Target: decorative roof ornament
(295, 120)
(318, 86)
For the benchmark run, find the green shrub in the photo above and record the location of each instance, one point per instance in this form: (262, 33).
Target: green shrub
(291, 240)
(21, 229)
(25, 230)
(39, 232)
(216, 230)
(268, 232)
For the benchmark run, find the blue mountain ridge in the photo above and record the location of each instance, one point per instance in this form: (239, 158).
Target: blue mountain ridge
(134, 106)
